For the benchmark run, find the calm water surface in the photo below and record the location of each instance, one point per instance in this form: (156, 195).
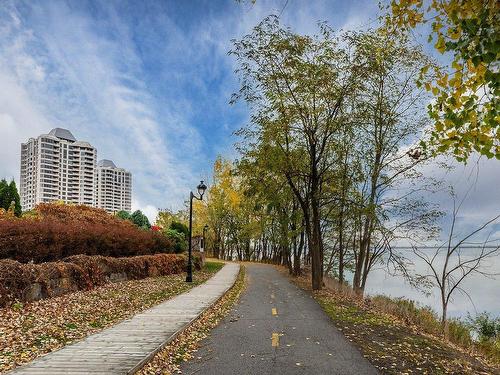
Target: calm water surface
(484, 292)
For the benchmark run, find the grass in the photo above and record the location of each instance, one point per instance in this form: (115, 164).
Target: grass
(30, 330)
(399, 337)
(169, 359)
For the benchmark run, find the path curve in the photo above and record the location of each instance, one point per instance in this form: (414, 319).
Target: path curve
(276, 328)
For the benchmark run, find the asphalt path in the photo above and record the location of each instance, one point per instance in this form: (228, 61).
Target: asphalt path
(276, 328)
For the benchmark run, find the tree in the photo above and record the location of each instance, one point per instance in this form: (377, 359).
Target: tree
(180, 228)
(386, 113)
(466, 107)
(9, 197)
(123, 215)
(296, 87)
(449, 265)
(178, 238)
(139, 219)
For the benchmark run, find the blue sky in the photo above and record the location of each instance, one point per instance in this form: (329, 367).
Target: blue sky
(148, 83)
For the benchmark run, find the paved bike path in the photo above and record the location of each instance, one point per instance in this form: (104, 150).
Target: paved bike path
(126, 346)
(276, 328)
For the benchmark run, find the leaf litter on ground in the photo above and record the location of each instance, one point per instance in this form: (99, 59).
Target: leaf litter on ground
(29, 330)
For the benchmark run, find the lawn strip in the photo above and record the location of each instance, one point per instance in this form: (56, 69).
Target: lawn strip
(184, 347)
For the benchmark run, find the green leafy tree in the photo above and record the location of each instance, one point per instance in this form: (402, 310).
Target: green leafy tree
(9, 197)
(466, 109)
(139, 219)
(297, 87)
(123, 215)
(178, 238)
(180, 228)
(487, 328)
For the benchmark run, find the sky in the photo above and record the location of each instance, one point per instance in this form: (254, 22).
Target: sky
(148, 83)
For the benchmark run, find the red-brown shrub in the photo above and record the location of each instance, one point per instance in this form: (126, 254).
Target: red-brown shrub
(59, 231)
(20, 281)
(25, 282)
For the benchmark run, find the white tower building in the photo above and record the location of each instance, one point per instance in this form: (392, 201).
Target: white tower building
(56, 166)
(114, 187)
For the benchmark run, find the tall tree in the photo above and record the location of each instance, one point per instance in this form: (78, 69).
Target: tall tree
(9, 197)
(388, 116)
(139, 219)
(296, 87)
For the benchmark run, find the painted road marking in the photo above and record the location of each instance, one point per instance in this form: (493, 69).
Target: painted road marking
(274, 311)
(275, 339)
(272, 295)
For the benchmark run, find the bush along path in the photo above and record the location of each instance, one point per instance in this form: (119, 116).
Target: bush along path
(30, 330)
(391, 344)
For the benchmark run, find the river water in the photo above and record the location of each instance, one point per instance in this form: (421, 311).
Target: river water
(484, 292)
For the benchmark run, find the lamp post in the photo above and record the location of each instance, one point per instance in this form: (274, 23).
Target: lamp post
(201, 190)
(205, 228)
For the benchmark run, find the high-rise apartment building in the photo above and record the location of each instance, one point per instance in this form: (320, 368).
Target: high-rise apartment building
(114, 187)
(55, 166)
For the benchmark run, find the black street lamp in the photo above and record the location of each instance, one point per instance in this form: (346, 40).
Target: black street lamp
(201, 190)
(205, 228)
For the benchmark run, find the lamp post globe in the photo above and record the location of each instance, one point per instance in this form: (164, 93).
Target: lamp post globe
(201, 189)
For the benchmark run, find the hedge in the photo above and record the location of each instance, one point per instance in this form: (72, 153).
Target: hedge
(55, 231)
(26, 282)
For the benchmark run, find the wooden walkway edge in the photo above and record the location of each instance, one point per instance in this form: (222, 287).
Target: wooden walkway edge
(129, 345)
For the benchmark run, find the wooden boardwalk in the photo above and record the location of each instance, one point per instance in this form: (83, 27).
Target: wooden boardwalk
(127, 346)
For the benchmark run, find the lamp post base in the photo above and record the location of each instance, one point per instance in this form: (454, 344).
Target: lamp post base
(189, 279)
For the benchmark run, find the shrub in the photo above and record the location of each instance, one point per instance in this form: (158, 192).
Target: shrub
(179, 227)
(57, 231)
(17, 280)
(25, 282)
(177, 238)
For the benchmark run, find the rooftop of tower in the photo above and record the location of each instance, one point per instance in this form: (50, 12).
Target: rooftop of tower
(63, 134)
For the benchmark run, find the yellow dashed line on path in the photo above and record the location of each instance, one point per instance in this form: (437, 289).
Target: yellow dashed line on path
(275, 339)
(274, 311)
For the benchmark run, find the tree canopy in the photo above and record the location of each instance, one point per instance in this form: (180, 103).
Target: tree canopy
(465, 109)
(9, 197)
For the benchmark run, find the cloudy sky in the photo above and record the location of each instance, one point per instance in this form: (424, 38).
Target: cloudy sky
(148, 84)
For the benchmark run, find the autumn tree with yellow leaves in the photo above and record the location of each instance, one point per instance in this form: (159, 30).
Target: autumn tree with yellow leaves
(466, 104)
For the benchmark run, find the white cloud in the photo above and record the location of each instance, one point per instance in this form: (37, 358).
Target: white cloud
(64, 72)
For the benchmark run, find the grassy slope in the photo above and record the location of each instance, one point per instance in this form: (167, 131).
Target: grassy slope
(32, 329)
(391, 345)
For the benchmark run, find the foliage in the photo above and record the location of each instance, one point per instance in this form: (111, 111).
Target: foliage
(165, 218)
(466, 107)
(56, 231)
(177, 238)
(486, 327)
(324, 162)
(9, 197)
(80, 272)
(139, 219)
(123, 215)
(180, 228)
